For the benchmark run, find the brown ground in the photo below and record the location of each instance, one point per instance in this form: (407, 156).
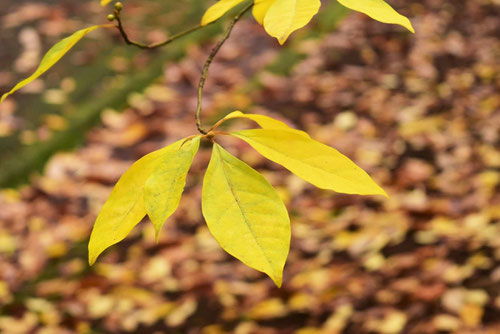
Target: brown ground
(421, 113)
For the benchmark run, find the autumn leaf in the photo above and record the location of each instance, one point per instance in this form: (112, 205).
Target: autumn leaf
(219, 9)
(260, 9)
(378, 10)
(164, 187)
(125, 207)
(286, 16)
(245, 214)
(53, 56)
(311, 160)
(263, 121)
(281, 18)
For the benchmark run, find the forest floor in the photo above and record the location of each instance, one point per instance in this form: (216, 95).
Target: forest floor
(420, 113)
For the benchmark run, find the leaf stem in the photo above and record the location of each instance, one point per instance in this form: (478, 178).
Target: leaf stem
(127, 40)
(209, 60)
(223, 133)
(216, 125)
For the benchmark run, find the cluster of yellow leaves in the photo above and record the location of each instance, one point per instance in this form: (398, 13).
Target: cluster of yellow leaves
(242, 210)
(279, 17)
(282, 17)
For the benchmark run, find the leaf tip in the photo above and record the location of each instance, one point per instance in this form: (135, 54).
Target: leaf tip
(94, 251)
(380, 191)
(283, 38)
(205, 21)
(92, 258)
(276, 275)
(278, 280)
(409, 26)
(157, 234)
(210, 17)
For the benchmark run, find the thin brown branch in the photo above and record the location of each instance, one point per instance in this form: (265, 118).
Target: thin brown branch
(209, 60)
(119, 26)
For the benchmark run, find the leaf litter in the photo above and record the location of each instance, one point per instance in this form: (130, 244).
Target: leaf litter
(420, 113)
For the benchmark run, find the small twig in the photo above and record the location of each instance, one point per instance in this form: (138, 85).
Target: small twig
(209, 60)
(127, 40)
(213, 53)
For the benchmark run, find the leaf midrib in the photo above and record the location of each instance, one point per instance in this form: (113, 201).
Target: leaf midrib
(242, 210)
(179, 171)
(297, 160)
(135, 202)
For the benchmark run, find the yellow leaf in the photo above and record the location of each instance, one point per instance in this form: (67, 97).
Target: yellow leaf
(163, 189)
(105, 2)
(260, 9)
(286, 16)
(125, 206)
(245, 214)
(264, 122)
(216, 11)
(52, 56)
(378, 10)
(312, 161)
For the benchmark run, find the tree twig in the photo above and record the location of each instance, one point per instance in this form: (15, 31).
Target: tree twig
(119, 26)
(209, 60)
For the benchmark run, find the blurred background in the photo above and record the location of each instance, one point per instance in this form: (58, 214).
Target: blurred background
(420, 113)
